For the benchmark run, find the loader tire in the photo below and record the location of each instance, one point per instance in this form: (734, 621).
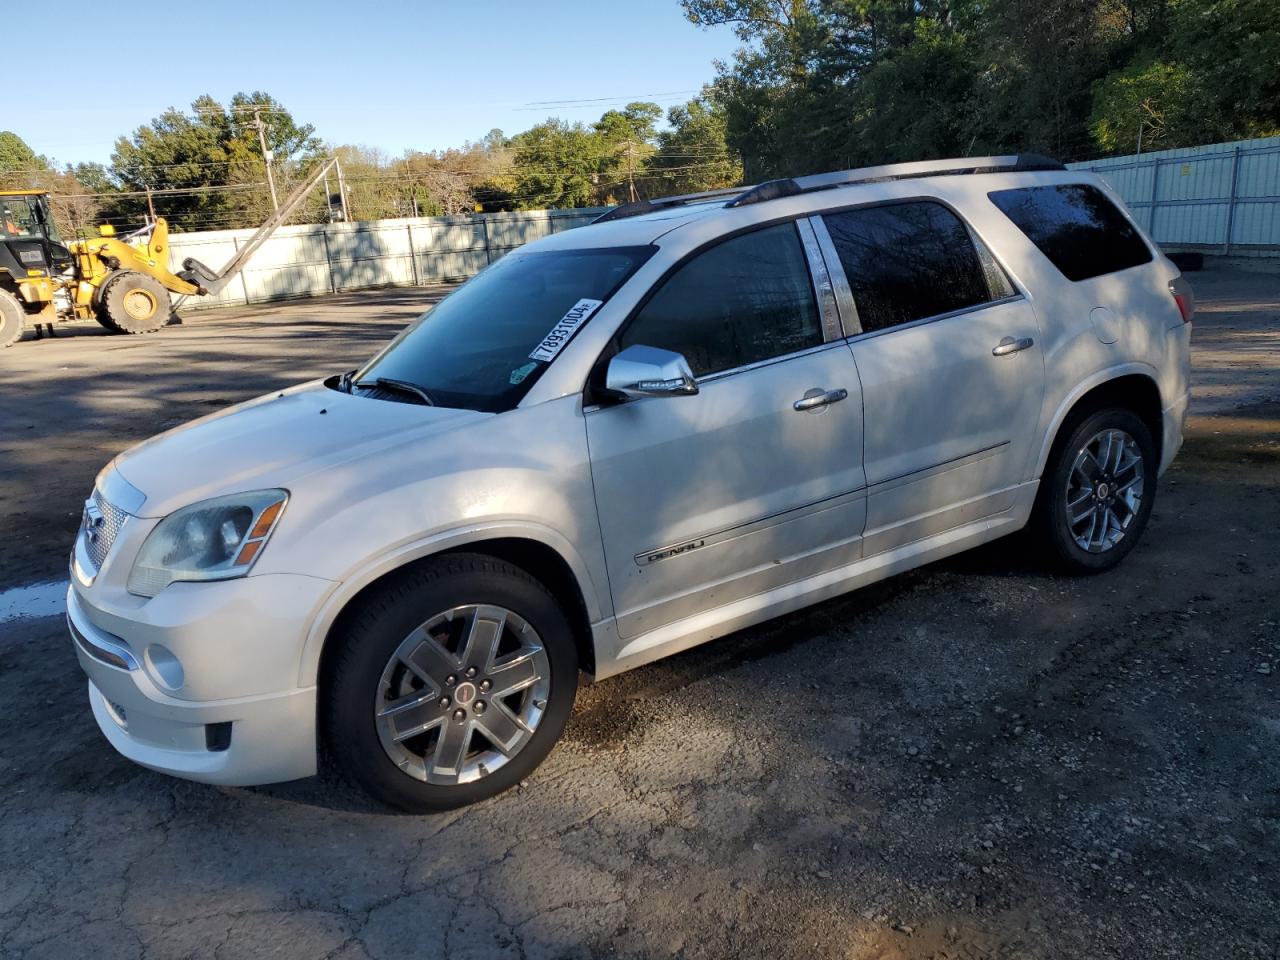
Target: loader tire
(134, 303)
(12, 318)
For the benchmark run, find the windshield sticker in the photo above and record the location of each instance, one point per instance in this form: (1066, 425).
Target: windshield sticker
(519, 373)
(555, 340)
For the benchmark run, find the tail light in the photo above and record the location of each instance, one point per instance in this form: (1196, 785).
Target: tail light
(1183, 297)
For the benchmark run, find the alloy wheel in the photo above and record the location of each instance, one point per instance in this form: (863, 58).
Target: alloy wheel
(462, 694)
(1104, 490)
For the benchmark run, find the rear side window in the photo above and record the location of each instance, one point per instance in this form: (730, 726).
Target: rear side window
(743, 301)
(908, 261)
(1076, 226)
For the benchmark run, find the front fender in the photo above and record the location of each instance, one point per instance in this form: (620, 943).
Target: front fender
(522, 474)
(597, 600)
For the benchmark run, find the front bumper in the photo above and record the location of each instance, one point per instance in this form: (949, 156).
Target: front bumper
(181, 721)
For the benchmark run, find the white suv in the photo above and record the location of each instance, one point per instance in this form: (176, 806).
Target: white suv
(621, 441)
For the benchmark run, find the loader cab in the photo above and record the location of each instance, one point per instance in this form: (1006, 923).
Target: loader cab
(29, 240)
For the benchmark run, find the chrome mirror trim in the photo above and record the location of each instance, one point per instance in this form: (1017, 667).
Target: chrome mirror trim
(642, 371)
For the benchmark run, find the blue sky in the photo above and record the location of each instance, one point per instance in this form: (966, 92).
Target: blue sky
(395, 75)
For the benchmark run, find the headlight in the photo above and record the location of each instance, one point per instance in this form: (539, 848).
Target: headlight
(212, 540)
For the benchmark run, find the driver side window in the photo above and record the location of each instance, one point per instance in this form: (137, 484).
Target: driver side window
(745, 300)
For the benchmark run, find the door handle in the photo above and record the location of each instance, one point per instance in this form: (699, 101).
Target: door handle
(817, 397)
(1009, 345)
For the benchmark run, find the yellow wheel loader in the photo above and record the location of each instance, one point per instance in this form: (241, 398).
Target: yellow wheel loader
(125, 283)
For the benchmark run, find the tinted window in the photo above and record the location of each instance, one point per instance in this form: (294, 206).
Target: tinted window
(485, 344)
(907, 261)
(746, 300)
(1076, 227)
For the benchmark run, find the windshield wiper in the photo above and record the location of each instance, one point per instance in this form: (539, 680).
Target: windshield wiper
(404, 386)
(344, 381)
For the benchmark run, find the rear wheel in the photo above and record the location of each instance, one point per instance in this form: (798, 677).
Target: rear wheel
(134, 303)
(1097, 492)
(449, 684)
(12, 318)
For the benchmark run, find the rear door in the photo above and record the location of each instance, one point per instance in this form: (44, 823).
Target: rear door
(951, 369)
(707, 499)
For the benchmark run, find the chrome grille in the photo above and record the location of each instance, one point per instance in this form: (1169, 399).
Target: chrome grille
(100, 526)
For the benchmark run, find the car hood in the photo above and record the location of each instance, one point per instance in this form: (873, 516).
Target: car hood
(274, 441)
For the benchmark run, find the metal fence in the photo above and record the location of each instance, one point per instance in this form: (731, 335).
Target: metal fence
(1219, 198)
(307, 260)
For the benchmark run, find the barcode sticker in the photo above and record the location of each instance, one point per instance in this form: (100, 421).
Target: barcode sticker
(553, 342)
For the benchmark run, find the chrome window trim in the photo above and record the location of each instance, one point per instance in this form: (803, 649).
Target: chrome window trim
(868, 334)
(986, 256)
(781, 358)
(823, 291)
(849, 320)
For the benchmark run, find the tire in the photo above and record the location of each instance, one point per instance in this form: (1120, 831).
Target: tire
(12, 319)
(1083, 480)
(397, 697)
(134, 303)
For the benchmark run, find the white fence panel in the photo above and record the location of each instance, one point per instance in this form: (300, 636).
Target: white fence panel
(308, 260)
(1222, 197)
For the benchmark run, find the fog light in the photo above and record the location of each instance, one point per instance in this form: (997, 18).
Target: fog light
(163, 667)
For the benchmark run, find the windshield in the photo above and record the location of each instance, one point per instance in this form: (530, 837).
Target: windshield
(42, 213)
(26, 217)
(483, 346)
(17, 218)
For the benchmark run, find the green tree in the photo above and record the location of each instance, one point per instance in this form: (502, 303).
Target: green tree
(693, 155)
(830, 83)
(21, 168)
(1232, 50)
(1153, 105)
(556, 164)
(18, 158)
(625, 140)
(205, 169)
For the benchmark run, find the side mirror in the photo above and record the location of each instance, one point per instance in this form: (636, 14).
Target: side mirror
(640, 371)
(106, 230)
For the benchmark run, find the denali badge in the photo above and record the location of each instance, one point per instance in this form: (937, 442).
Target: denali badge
(668, 552)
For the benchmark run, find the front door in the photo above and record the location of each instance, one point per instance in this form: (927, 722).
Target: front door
(710, 498)
(952, 373)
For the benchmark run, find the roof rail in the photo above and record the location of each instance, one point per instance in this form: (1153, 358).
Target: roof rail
(625, 210)
(787, 187)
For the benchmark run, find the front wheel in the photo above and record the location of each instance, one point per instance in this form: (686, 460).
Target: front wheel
(12, 318)
(449, 684)
(1097, 492)
(134, 303)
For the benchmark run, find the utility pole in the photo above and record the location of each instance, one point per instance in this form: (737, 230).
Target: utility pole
(266, 156)
(342, 192)
(151, 204)
(631, 179)
(328, 199)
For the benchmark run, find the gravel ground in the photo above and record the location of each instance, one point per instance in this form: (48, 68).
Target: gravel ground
(972, 760)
